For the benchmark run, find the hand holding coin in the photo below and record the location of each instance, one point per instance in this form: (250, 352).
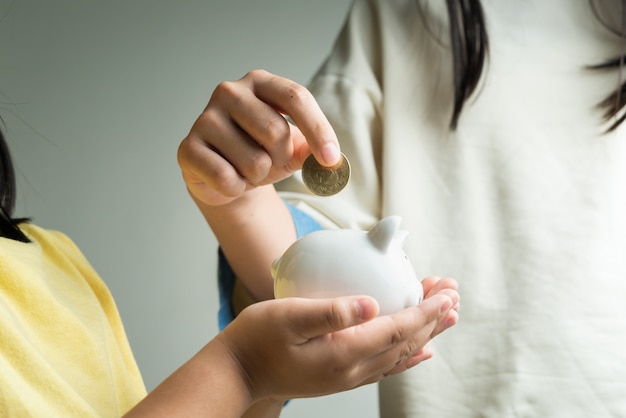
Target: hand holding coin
(325, 181)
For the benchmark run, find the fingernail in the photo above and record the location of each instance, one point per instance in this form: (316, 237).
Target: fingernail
(330, 153)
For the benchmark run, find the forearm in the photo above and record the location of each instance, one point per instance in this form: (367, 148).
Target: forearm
(252, 231)
(210, 384)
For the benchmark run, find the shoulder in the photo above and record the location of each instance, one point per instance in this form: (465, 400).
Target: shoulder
(53, 245)
(47, 237)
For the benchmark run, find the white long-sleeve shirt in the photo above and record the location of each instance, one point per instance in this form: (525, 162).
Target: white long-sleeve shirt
(524, 204)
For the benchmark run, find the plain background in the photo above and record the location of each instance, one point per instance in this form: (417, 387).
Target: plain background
(96, 96)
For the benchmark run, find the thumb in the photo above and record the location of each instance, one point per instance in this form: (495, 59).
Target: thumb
(324, 316)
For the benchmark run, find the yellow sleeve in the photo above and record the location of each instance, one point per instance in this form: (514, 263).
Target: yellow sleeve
(64, 351)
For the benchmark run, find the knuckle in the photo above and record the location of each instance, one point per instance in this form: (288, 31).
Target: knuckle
(226, 180)
(224, 88)
(189, 151)
(398, 336)
(182, 152)
(257, 166)
(276, 129)
(229, 90)
(334, 317)
(337, 316)
(407, 351)
(255, 74)
(209, 119)
(298, 94)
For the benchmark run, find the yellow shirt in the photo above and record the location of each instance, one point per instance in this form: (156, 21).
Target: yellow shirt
(63, 348)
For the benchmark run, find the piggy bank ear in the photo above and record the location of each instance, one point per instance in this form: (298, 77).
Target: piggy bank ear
(384, 233)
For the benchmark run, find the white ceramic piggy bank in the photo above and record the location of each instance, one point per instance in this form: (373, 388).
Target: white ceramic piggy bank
(341, 262)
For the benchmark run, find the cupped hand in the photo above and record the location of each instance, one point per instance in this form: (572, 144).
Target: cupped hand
(243, 138)
(292, 347)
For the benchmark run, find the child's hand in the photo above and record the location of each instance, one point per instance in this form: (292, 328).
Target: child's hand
(243, 140)
(293, 347)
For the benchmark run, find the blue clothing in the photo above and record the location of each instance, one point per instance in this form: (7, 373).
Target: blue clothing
(226, 277)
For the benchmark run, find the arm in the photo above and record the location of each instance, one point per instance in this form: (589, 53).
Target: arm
(252, 231)
(236, 150)
(334, 344)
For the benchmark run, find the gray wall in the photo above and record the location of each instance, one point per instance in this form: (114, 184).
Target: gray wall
(96, 96)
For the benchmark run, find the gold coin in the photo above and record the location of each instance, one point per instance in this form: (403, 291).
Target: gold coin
(325, 181)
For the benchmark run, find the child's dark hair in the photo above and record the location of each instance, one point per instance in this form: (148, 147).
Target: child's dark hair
(468, 35)
(8, 225)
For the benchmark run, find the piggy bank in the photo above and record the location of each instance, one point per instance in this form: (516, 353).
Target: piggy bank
(342, 262)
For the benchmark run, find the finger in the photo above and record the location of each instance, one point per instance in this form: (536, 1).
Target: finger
(201, 164)
(451, 293)
(404, 327)
(249, 158)
(429, 282)
(311, 318)
(390, 344)
(423, 354)
(386, 341)
(442, 283)
(296, 101)
(261, 122)
(450, 319)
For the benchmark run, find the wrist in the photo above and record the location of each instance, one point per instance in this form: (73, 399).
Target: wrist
(229, 380)
(240, 207)
(211, 384)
